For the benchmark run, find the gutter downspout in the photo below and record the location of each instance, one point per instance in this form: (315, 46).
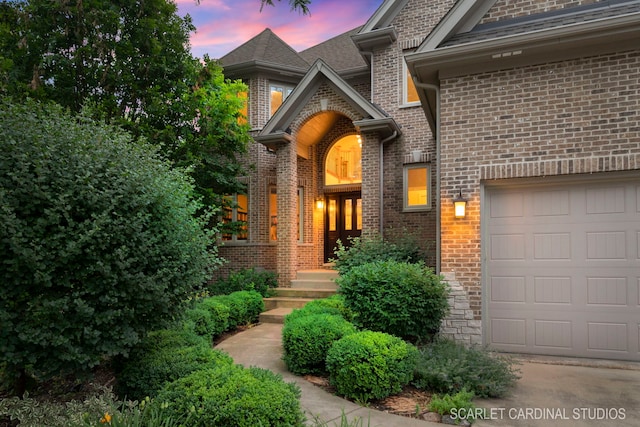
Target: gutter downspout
(436, 89)
(381, 169)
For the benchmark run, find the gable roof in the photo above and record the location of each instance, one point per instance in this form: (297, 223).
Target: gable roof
(267, 52)
(373, 118)
(458, 44)
(339, 52)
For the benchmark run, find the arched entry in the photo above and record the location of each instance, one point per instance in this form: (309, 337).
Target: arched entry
(343, 199)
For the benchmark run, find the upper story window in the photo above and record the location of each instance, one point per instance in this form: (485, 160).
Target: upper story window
(409, 91)
(416, 187)
(344, 162)
(279, 92)
(244, 111)
(235, 218)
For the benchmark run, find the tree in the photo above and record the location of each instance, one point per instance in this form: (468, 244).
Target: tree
(130, 61)
(300, 5)
(99, 241)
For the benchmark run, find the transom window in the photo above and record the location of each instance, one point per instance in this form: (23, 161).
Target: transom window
(344, 162)
(279, 92)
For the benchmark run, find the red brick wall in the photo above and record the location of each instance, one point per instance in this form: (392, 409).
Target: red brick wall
(578, 116)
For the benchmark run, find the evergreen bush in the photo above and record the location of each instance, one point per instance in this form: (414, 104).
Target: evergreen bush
(99, 241)
(164, 356)
(370, 365)
(230, 395)
(249, 279)
(406, 300)
(307, 339)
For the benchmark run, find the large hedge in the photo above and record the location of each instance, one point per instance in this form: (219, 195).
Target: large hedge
(402, 299)
(98, 241)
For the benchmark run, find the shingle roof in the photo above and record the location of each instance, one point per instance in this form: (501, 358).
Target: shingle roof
(546, 20)
(339, 52)
(265, 47)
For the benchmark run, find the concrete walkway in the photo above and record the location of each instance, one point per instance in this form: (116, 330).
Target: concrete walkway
(262, 346)
(552, 391)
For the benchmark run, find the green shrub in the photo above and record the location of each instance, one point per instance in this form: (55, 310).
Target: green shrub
(219, 311)
(164, 356)
(333, 305)
(373, 248)
(201, 321)
(406, 300)
(233, 396)
(244, 307)
(448, 404)
(307, 339)
(370, 365)
(98, 241)
(445, 366)
(98, 409)
(250, 279)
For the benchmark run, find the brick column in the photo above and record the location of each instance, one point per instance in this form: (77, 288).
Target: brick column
(370, 183)
(287, 183)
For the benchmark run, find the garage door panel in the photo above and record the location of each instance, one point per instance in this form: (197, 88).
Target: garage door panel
(563, 269)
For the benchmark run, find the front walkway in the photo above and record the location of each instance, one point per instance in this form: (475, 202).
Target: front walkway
(262, 346)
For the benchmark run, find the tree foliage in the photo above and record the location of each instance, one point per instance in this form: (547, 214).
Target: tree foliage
(130, 61)
(99, 241)
(299, 5)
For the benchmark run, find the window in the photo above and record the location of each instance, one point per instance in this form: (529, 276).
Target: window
(273, 214)
(279, 92)
(235, 218)
(416, 187)
(409, 92)
(344, 162)
(244, 111)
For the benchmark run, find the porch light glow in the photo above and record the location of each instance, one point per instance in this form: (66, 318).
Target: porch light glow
(460, 205)
(320, 203)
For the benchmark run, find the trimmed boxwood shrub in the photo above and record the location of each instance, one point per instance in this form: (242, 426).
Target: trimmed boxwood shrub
(219, 311)
(370, 365)
(307, 339)
(405, 300)
(164, 356)
(249, 279)
(244, 307)
(231, 395)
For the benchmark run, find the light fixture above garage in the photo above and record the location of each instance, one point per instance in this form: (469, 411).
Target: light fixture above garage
(460, 205)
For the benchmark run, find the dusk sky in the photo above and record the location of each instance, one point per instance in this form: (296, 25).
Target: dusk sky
(223, 25)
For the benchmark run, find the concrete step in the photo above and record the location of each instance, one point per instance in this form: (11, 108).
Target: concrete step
(304, 292)
(275, 315)
(317, 274)
(285, 302)
(314, 284)
(307, 286)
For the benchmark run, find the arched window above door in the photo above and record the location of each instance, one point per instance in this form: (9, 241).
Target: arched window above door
(343, 164)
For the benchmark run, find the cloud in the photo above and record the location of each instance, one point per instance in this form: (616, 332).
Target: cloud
(223, 25)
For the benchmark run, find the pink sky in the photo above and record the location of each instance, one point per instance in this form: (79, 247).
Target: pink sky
(223, 25)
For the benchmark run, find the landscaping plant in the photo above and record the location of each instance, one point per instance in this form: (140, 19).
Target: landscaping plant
(402, 299)
(446, 366)
(370, 365)
(307, 339)
(458, 403)
(230, 395)
(332, 305)
(99, 242)
(249, 279)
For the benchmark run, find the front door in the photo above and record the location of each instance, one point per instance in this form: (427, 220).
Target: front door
(343, 220)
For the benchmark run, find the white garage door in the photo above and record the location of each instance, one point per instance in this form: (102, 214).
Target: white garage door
(562, 268)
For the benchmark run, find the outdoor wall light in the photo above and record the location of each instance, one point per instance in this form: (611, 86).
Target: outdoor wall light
(320, 203)
(460, 205)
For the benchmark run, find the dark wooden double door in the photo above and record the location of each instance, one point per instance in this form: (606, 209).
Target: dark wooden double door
(343, 220)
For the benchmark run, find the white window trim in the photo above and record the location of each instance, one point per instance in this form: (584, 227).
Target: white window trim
(405, 182)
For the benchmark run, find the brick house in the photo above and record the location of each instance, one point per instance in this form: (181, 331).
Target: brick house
(529, 111)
